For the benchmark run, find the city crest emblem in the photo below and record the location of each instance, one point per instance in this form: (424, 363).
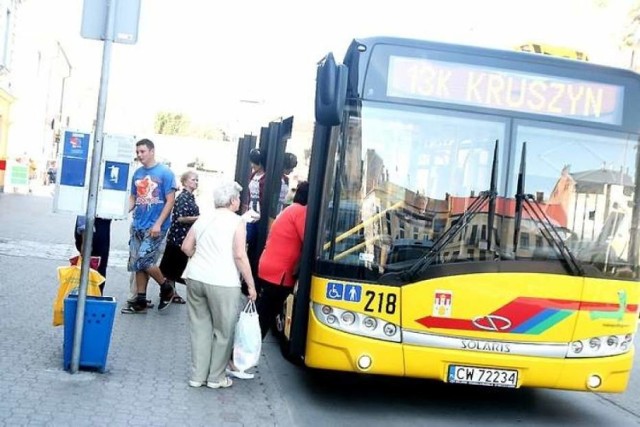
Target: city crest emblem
(442, 303)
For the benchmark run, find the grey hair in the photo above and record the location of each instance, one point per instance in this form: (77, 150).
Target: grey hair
(224, 194)
(185, 176)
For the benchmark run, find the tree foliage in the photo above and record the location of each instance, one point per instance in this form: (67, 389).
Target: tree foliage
(631, 30)
(168, 123)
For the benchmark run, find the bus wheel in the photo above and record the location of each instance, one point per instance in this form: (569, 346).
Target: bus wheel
(283, 341)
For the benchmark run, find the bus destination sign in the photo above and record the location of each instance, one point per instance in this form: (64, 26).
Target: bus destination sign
(506, 89)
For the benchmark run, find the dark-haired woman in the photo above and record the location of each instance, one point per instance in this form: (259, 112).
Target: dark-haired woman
(280, 258)
(289, 164)
(256, 190)
(252, 204)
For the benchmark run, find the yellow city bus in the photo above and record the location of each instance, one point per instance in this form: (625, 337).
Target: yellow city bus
(473, 218)
(546, 49)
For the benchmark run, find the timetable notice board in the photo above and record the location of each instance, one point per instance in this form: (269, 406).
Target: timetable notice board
(114, 175)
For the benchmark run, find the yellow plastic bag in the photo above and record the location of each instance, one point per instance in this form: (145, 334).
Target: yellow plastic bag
(69, 280)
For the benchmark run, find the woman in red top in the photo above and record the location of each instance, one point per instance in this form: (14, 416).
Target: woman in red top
(279, 260)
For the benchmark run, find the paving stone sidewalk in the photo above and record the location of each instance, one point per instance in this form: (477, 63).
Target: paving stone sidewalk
(148, 361)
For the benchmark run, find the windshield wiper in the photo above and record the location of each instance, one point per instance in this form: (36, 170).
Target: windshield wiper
(519, 200)
(550, 233)
(476, 206)
(535, 211)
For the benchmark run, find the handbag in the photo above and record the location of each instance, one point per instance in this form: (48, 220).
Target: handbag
(247, 342)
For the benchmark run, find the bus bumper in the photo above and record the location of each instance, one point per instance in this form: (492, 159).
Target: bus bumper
(331, 349)
(537, 372)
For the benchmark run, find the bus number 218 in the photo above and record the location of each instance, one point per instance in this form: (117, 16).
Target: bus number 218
(380, 302)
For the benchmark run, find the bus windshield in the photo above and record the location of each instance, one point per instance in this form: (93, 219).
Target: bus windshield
(405, 174)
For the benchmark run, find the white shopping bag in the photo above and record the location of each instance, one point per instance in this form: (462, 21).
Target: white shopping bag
(248, 339)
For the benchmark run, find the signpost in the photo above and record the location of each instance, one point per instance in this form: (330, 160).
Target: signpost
(102, 20)
(125, 22)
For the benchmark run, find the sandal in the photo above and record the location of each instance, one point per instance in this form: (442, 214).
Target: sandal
(149, 303)
(177, 299)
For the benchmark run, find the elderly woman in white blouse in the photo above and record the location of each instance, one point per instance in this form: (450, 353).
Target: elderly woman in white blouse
(216, 247)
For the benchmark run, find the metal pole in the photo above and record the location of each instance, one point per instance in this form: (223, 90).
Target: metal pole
(64, 80)
(634, 245)
(92, 200)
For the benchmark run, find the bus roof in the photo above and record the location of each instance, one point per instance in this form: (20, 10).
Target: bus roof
(553, 50)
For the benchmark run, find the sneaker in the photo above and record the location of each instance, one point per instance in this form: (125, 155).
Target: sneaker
(166, 296)
(242, 375)
(196, 384)
(134, 308)
(226, 382)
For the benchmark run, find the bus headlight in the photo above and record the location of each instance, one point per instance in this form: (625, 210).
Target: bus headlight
(348, 318)
(626, 343)
(369, 323)
(356, 323)
(608, 345)
(576, 347)
(389, 329)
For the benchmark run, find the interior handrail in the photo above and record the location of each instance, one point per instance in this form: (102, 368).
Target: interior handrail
(363, 224)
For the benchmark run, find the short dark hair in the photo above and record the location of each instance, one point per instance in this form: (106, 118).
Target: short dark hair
(256, 157)
(146, 142)
(302, 193)
(290, 161)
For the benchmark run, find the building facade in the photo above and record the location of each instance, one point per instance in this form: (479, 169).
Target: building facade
(8, 17)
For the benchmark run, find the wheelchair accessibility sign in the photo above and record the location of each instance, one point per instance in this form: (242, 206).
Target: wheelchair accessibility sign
(344, 292)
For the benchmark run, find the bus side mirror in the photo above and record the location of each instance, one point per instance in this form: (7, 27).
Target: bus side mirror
(331, 91)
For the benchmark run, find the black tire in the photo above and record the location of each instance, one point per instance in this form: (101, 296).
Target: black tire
(283, 341)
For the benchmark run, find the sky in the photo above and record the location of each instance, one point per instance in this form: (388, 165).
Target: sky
(203, 57)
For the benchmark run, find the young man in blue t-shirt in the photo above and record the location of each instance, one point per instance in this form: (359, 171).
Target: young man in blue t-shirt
(152, 197)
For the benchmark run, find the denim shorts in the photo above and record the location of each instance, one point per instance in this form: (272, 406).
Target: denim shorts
(144, 250)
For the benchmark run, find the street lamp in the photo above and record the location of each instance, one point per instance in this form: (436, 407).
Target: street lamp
(64, 80)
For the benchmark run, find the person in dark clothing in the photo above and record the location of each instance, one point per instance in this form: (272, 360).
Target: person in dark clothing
(185, 213)
(255, 193)
(251, 208)
(290, 162)
(101, 242)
